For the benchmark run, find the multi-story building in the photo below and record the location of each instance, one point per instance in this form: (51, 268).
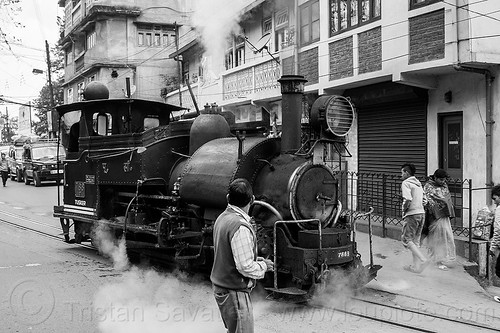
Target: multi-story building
(419, 72)
(120, 41)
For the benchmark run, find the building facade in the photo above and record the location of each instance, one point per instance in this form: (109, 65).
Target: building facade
(122, 43)
(419, 72)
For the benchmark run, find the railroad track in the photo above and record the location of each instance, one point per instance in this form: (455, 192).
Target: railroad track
(34, 230)
(406, 318)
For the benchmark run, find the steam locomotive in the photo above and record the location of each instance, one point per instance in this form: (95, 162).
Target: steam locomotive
(162, 181)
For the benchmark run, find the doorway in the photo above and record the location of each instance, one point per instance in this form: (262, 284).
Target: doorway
(451, 157)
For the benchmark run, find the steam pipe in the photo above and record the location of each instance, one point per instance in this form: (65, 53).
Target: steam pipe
(489, 122)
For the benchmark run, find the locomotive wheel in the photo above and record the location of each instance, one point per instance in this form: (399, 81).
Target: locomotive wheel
(26, 179)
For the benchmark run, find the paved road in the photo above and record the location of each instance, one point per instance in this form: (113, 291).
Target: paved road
(47, 285)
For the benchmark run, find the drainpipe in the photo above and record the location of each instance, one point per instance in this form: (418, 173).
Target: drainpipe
(296, 46)
(489, 122)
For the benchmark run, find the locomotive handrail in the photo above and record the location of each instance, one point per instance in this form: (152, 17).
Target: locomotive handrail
(129, 150)
(278, 215)
(356, 216)
(275, 259)
(337, 215)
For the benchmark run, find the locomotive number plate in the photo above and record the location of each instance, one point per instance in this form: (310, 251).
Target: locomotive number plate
(343, 254)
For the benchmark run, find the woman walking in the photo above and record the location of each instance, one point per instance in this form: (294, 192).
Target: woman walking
(440, 239)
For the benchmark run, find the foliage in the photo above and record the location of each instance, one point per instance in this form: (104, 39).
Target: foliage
(9, 127)
(171, 83)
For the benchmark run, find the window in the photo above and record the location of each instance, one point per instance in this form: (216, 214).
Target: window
(235, 55)
(346, 14)
(79, 88)
(309, 22)
(102, 123)
(155, 35)
(91, 37)
(240, 50)
(267, 25)
(281, 30)
(151, 122)
(69, 95)
(185, 71)
(92, 78)
(421, 3)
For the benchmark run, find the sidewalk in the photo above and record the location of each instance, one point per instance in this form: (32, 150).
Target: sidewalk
(454, 291)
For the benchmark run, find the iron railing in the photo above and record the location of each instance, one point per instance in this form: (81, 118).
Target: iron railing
(360, 191)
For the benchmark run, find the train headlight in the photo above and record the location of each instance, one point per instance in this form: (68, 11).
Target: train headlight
(332, 114)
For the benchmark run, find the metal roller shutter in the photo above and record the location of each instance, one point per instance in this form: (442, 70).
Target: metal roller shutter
(391, 134)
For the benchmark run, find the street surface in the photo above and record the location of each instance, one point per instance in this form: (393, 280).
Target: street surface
(47, 285)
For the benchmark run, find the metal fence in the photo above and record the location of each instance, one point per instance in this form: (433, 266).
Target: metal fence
(360, 191)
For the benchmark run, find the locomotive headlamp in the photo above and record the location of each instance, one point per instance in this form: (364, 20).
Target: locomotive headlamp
(333, 114)
(292, 84)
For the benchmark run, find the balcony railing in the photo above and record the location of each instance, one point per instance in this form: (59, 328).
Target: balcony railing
(260, 78)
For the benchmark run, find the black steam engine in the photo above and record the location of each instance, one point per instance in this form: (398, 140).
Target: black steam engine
(162, 181)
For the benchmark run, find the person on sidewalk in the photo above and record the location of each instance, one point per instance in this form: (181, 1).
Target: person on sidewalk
(495, 240)
(440, 239)
(236, 265)
(413, 217)
(4, 169)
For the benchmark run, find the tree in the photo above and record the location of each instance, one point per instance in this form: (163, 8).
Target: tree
(8, 127)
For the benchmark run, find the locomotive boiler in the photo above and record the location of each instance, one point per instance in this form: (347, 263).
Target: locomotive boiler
(161, 181)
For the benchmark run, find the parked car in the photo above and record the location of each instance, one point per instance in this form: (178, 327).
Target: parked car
(14, 160)
(39, 161)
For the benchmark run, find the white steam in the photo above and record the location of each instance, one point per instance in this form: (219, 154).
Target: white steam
(149, 302)
(111, 247)
(216, 20)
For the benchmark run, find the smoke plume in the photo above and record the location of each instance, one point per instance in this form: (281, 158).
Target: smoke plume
(150, 302)
(216, 20)
(145, 301)
(109, 246)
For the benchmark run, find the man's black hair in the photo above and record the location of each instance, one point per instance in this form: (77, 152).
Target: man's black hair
(410, 168)
(240, 192)
(495, 190)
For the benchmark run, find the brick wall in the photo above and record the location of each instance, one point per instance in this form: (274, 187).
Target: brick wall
(341, 58)
(287, 66)
(427, 37)
(370, 50)
(308, 65)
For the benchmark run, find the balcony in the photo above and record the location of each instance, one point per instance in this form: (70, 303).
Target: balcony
(259, 79)
(79, 15)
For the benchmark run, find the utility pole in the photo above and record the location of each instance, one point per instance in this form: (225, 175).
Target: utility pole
(179, 69)
(7, 122)
(51, 91)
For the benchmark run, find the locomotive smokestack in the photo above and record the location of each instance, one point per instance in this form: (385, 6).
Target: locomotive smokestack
(292, 89)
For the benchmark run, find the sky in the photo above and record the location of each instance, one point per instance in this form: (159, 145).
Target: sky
(23, 48)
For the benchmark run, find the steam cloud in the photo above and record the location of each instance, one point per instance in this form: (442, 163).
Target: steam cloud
(149, 302)
(216, 20)
(146, 301)
(110, 247)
